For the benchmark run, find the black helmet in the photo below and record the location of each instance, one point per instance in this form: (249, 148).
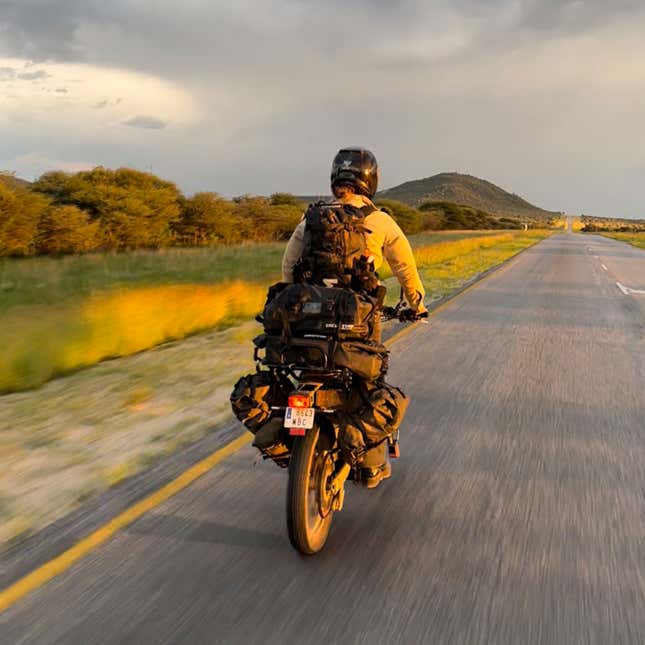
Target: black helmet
(355, 167)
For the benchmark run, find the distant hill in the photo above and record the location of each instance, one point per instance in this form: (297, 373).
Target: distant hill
(12, 181)
(464, 189)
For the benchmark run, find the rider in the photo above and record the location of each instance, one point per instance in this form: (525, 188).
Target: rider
(354, 180)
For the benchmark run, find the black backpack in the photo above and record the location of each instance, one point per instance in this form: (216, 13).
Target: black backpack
(336, 247)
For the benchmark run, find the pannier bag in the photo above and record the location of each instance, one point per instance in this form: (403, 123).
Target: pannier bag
(367, 360)
(382, 413)
(252, 398)
(304, 309)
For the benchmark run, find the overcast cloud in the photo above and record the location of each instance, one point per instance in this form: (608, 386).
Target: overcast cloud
(542, 97)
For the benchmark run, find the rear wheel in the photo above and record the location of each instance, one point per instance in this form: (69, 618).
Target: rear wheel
(309, 501)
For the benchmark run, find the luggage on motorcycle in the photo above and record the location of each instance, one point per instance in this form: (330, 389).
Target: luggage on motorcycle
(352, 443)
(367, 360)
(336, 247)
(298, 352)
(382, 412)
(304, 309)
(252, 398)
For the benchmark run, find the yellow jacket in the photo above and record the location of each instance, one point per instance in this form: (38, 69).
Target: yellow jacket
(385, 240)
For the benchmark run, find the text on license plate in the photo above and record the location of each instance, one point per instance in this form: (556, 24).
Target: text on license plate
(299, 419)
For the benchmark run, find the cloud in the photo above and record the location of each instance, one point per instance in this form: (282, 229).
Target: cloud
(43, 29)
(574, 16)
(146, 122)
(499, 88)
(90, 113)
(38, 75)
(7, 73)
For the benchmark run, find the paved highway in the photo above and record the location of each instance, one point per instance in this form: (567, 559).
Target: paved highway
(515, 515)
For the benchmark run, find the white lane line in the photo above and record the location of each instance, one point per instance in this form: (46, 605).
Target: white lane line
(627, 290)
(604, 267)
(623, 288)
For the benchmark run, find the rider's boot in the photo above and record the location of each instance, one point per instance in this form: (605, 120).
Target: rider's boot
(376, 466)
(267, 438)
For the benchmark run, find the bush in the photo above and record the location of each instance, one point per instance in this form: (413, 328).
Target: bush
(285, 199)
(67, 229)
(207, 219)
(412, 220)
(457, 216)
(134, 209)
(20, 213)
(261, 221)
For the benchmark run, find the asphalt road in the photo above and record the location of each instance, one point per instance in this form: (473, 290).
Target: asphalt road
(515, 515)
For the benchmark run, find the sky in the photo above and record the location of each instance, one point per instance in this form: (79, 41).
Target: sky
(544, 98)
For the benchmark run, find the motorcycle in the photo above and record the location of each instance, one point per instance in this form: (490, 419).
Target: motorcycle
(318, 468)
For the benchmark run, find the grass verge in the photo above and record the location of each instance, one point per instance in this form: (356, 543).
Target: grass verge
(635, 239)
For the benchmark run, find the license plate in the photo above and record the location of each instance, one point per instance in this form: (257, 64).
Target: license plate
(299, 420)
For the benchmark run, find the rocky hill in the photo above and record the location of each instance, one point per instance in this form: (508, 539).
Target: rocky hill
(464, 189)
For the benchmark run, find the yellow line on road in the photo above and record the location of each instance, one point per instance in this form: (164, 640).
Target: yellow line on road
(65, 560)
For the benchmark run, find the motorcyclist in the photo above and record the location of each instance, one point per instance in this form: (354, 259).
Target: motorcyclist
(354, 181)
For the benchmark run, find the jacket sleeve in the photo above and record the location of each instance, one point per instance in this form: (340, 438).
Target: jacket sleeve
(292, 253)
(398, 253)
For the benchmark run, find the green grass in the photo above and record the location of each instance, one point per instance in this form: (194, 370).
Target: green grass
(635, 239)
(49, 281)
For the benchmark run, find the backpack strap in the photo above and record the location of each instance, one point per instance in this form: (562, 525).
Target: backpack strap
(368, 209)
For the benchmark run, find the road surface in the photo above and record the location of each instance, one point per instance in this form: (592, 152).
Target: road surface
(515, 515)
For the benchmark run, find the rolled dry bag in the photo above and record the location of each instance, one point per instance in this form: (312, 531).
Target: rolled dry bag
(382, 414)
(252, 398)
(304, 309)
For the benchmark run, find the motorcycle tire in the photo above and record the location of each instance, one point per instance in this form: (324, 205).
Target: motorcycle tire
(307, 527)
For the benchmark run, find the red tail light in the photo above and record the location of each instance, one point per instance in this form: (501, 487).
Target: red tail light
(299, 401)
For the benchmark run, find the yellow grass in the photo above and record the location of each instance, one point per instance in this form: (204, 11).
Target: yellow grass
(446, 266)
(635, 239)
(449, 250)
(41, 342)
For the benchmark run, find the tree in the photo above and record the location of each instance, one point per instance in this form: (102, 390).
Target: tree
(134, 209)
(20, 213)
(260, 221)
(67, 229)
(412, 220)
(285, 199)
(206, 218)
